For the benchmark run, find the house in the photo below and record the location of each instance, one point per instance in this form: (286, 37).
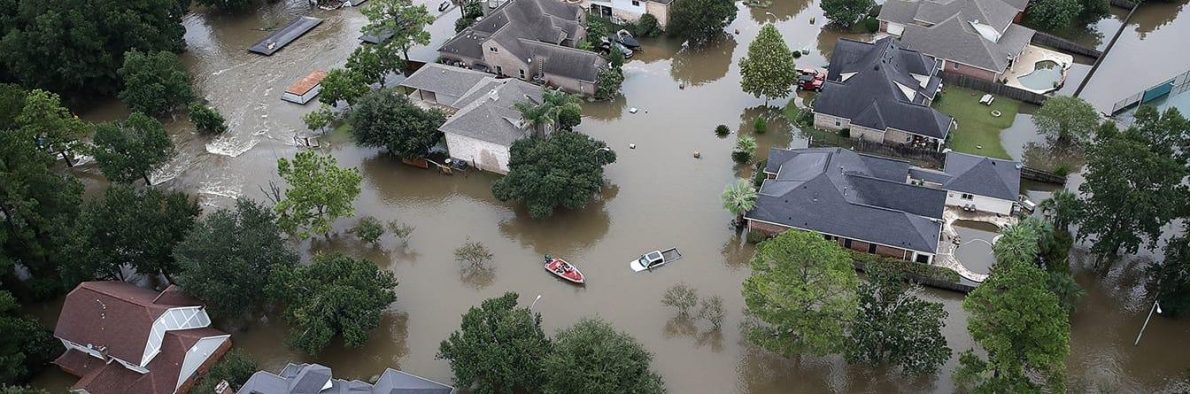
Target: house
(863, 202)
(315, 379)
(630, 10)
(483, 122)
(975, 38)
(121, 338)
(975, 182)
(305, 89)
(882, 92)
(531, 40)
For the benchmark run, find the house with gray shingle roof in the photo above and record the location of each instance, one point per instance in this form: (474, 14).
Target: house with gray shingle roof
(882, 92)
(317, 379)
(483, 121)
(975, 182)
(976, 38)
(531, 40)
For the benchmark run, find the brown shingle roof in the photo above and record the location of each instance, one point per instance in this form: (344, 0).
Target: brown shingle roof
(302, 86)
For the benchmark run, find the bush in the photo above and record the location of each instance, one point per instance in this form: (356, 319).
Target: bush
(1062, 169)
(648, 26)
(797, 54)
(909, 267)
(745, 148)
(463, 23)
(206, 119)
(845, 133)
(756, 236)
(681, 298)
(871, 24)
(369, 230)
(761, 125)
(235, 367)
(722, 130)
(758, 175)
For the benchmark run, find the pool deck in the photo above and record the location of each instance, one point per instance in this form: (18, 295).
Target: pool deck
(950, 239)
(1027, 63)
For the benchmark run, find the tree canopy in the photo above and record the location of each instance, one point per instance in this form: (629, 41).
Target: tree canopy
(26, 347)
(1170, 279)
(768, 70)
(739, 197)
(562, 170)
(132, 149)
(1066, 119)
(803, 292)
(206, 119)
(44, 118)
(371, 64)
(319, 192)
(228, 258)
(387, 119)
(1054, 14)
(593, 357)
(498, 348)
(343, 84)
(557, 110)
(401, 18)
(335, 296)
(845, 13)
(895, 326)
(700, 21)
(229, 5)
(155, 83)
(235, 367)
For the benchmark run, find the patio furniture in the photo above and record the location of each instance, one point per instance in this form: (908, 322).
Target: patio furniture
(987, 99)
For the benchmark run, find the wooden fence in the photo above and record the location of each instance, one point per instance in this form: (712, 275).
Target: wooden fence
(1064, 45)
(998, 89)
(920, 157)
(1042, 176)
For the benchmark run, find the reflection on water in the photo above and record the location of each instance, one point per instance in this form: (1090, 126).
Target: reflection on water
(695, 66)
(780, 10)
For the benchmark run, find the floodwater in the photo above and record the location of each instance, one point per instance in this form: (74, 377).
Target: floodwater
(975, 245)
(1150, 50)
(658, 196)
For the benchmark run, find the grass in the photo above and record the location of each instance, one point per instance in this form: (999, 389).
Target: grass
(976, 126)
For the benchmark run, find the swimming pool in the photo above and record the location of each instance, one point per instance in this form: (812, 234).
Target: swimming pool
(1044, 77)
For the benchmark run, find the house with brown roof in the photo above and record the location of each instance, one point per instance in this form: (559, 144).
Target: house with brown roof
(531, 40)
(121, 338)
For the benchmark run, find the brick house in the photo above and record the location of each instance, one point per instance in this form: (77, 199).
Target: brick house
(976, 38)
(630, 10)
(121, 338)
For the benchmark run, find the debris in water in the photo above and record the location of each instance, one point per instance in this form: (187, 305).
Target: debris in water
(697, 155)
(631, 146)
(632, 110)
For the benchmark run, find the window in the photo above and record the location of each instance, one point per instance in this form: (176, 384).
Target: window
(847, 243)
(635, 3)
(522, 73)
(872, 248)
(967, 196)
(828, 237)
(956, 66)
(923, 258)
(493, 49)
(838, 124)
(499, 71)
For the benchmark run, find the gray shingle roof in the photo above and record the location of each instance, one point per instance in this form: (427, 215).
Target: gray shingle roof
(548, 21)
(983, 176)
(396, 382)
(955, 39)
(488, 112)
(840, 192)
(312, 378)
(567, 62)
(443, 79)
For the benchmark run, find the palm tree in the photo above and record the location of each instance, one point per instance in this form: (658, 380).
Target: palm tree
(1061, 209)
(549, 113)
(745, 147)
(739, 198)
(534, 116)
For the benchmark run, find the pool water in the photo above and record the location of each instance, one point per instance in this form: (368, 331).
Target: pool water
(1045, 77)
(976, 255)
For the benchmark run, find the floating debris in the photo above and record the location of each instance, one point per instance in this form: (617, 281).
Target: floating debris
(632, 110)
(697, 155)
(631, 146)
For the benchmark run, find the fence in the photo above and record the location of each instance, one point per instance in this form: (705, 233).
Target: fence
(921, 157)
(1173, 86)
(1062, 44)
(1042, 176)
(993, 88)
(1110, 44)
(1123, 4)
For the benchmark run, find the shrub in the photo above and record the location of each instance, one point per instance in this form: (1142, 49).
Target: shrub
(206, 119)
(871, 25)
(756, 236)
(681, 298)
(475, 254)
(745, 148)
(909, 267)
(463, 23)
(648, 26)
(711, 310)
(1062, 169)
(761, 125)
(845, 133)
(758, 175)
(797, 54)
(401, 230)
(722, 130)
(369, 230)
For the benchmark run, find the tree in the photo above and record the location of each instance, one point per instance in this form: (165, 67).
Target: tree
(739, 198)
(894, 326)
(699, 21)
(132, 149)
(227, 259)
(12, 102)
(1132, 189)
(1054, 14)
(564, 170)
(557, 110)
(1164, 132)
(401, 230)
(803, 292)
(341, 84)
(681, 298)
(745, 148)
(26, 347)
(235, 367)
(369, 230)
(1066, 119)
(207, 119)
(319, 192)
(45, 119)
(1062, 209)
(1170, 280)
(609, 83)
(387, 119)
(405, 21)
(592, 357)
(74, 47)
(498, 348)
(320, 118)
(371, 64)
(711, 310)
(474, 254)
(768, 70)
(336, 295)
(844, 13)
(648, 26)
(131, 228)
(237, 6)
(155, 82)
(615, 58)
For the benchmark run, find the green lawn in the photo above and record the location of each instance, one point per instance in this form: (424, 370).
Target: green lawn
(978, 132)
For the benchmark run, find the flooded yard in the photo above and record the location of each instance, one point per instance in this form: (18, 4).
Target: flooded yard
(658, 196)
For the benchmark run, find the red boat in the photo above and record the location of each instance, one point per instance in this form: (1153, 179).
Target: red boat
(563, 269)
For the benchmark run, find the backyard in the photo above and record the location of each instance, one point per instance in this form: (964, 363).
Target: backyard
(978, 131)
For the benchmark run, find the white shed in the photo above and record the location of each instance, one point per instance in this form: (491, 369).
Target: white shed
(305, 89)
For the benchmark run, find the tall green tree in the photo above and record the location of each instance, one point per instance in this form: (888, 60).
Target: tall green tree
(336, 295)
(319, 192)
(593, 357)
(1054, 14)
(700, 21)
(343, 85)
(206, 119)
(401, 18)
(12, 102)
(131, 228)
(563, 170)
(845, 13)
(894, 326)
(499, 348)
(372, 64)
(44, 118)
(1066, 119)
(739, 198)
(609, 83)
(26, 347)
(236, 6)
(74, 47)
(1170, 279)
(768, 70)
(1062, 209)
(235, 367)
(1165, 132)
(803, 292)
(155, 83)
(227, 259)
(388, 119)
(132, 149)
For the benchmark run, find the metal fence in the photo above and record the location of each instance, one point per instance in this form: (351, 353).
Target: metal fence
(1173, 86)
(994, 88)
(1062, 44)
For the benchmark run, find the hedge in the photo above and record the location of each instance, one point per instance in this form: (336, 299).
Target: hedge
(925, 270)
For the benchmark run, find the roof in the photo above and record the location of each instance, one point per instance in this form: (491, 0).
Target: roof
(318, 379)
(280, 38)
(843, 193)
(114, 314)
(445, 80)
(98, 376)
(996, 13)
(883, 85)
(952, 33)
(983, 176)
(304, 85)
(566, 61)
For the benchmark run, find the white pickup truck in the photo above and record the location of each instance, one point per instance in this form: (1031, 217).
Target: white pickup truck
(655, 259)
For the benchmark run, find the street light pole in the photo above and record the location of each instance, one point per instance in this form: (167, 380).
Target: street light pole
(1155, 307)
(534, 302)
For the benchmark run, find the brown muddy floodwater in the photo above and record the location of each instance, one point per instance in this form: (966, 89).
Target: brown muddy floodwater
(658, 196)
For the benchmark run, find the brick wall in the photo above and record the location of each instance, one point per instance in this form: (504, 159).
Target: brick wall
(893, 252)
(963, 69)
(827, 122)
(867, 134)
(857, 245)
